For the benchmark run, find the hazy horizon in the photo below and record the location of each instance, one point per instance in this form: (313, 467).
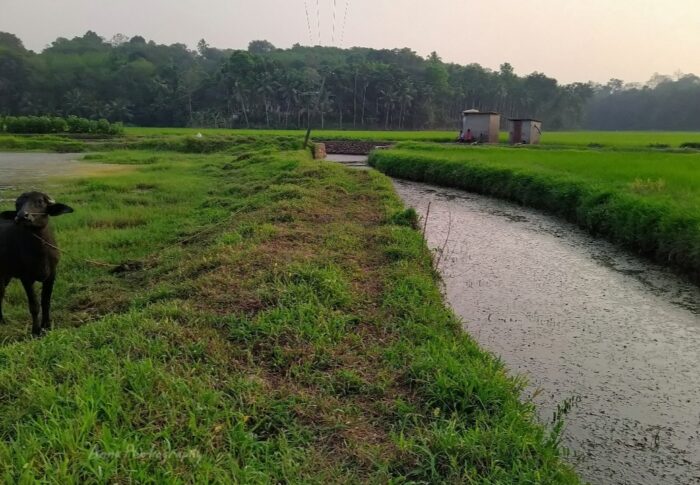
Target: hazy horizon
(582, 41)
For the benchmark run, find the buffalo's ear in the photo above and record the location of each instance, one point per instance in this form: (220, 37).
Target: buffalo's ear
(8, 215)
(58, 209)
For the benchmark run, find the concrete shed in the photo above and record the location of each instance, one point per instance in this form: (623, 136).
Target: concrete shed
(483, 126)
(525, 130)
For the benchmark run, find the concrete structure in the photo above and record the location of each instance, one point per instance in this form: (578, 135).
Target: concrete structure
(319, 151)
(483, 126)
(525, 130)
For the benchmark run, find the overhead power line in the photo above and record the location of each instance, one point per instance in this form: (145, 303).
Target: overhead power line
(345, 19)
(333, 34)
(318, 20)
(308, 21)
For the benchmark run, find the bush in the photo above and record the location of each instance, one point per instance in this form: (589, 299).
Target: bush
(116, 128)
(33, 124)
(691, 144)
(58, 125)
(78, 125)
(102, 126)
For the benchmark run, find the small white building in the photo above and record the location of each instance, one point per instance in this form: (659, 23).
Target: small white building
(481, 126)
(525, 130)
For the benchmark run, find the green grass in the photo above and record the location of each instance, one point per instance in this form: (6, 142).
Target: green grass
(621, 139)
(181, 139)
(317, 134)
(646, 200)
(279, 321)
(178, 143)
(49, 143)
(608, 139)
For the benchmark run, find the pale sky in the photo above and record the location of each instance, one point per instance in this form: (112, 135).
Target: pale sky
(572, 40)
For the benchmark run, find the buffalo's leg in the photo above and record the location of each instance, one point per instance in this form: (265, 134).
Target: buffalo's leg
(3, 285)
(33, 306)
(46, 291)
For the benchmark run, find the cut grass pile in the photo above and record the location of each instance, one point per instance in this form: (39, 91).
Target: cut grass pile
(645, 200)
(279, 321)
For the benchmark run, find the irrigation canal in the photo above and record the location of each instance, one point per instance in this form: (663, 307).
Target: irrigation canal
(594, 328)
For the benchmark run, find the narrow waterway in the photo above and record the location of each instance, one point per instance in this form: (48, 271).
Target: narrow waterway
(614, 336)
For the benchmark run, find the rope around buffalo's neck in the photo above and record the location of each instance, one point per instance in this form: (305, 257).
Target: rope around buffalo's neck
(89, 261)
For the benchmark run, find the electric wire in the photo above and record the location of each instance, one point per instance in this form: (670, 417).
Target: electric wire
(335, 2)
(345, 19)
(318, 20)
(308, 20)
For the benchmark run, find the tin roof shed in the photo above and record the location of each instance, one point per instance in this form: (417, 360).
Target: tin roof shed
(525, 130)
(481, 126)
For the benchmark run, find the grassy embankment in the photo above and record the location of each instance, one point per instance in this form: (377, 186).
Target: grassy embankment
(645, 200)
(283, 325)
(152, 137)
(183, 144)
(606, 139)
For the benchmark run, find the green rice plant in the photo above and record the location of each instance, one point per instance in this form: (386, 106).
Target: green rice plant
(648, 201)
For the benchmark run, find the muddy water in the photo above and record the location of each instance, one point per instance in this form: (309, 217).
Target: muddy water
(20, 172)
(29, 170)
(352, 161)
(616, 337)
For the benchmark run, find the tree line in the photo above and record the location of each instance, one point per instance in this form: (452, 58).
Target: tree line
(140, 82)
(663, 103)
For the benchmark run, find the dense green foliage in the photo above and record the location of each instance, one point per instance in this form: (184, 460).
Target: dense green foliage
(53, 124)
(147, 84)
(645, 200)
(32, 124)
(144, 83)
(278, 321)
